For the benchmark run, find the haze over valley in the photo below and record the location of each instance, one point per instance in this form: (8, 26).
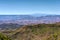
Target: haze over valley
(29, 19)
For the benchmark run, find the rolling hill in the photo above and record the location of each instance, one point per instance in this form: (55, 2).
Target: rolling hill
(36, 32)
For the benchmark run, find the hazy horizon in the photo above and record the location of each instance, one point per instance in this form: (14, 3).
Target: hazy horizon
(27, 7)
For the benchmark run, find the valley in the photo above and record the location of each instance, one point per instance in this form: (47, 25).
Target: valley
(30, 28)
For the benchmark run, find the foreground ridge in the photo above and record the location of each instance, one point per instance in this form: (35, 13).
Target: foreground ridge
(36, 32)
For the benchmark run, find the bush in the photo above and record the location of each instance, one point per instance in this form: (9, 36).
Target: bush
(4, 37)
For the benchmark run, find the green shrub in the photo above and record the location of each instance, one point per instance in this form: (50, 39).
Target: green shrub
(4, 37)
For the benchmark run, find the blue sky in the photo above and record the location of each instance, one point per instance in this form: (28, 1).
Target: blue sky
(17, 7)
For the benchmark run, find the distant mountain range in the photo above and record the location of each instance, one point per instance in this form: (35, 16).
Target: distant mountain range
(28, 19)
(14, 21)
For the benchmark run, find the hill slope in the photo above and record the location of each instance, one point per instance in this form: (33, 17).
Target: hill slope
(37, 32)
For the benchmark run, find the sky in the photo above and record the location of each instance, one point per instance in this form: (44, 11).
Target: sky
(18, 7)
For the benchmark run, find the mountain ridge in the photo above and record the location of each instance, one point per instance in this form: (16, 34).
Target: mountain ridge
(7, 20)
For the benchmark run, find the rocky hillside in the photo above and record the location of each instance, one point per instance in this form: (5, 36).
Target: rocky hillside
(37, 32)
